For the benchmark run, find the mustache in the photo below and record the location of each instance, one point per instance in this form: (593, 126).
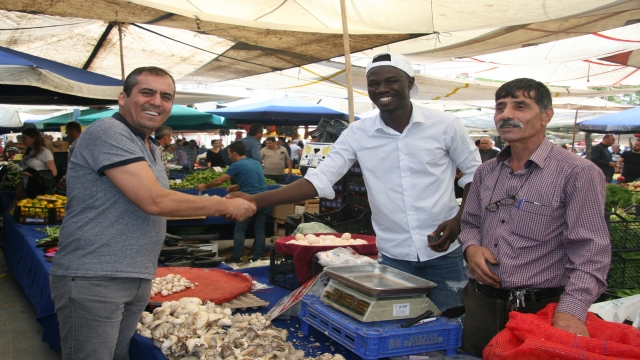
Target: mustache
(510, 123)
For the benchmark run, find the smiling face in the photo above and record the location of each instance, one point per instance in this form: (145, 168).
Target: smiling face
(149, 104)
(389, 88)
(518, 119)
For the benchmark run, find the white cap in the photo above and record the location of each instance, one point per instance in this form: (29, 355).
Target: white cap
(397, 61)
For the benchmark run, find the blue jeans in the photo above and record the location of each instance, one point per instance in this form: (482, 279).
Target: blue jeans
(447, 271)
(259, 221)
(98, 316)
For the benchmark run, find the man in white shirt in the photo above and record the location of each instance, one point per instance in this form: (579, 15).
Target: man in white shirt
(295, 158)
(408, 156)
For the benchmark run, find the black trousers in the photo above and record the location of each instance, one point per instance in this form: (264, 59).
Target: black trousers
(485, 317)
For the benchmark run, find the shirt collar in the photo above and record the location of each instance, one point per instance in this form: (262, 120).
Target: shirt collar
(416, 117)
(538, 157)
(133, 130)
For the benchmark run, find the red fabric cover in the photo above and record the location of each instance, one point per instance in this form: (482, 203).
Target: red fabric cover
(532, 336)
(303, 254)
(213, 284)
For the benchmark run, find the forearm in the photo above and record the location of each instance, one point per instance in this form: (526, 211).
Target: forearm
(214, 184)
(464, 200)
(172, 203)
(299, 190)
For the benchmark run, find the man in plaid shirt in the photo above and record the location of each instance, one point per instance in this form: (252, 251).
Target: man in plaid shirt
(533, 227)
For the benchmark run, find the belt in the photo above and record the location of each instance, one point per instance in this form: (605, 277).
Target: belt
(530, 295)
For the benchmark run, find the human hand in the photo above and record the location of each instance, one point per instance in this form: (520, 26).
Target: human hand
(201, 187)
(613, 164)
(26, 173)
(233, 188)
(570, 323)
(241, 195)
(477, 257)
(450, 230)
(239, 209)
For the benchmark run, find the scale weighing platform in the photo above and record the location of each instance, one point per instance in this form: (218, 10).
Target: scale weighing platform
(377, 293)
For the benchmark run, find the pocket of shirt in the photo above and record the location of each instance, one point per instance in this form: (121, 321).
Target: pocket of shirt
(532, 221)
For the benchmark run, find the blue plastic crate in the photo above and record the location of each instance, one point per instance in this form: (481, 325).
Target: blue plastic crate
(380, 339)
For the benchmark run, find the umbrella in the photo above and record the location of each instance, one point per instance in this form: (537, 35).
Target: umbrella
(27, 79)
(623, 122)
(285, 111)
(181, 118)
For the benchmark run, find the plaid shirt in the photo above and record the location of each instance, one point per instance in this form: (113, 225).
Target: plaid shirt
(163, 156)
(553, 235)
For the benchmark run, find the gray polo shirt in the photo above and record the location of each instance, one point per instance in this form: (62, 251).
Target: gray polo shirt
(103, 233)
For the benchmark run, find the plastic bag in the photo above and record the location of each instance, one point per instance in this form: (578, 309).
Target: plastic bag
(619, 310)
(312, 228)
(342, 256)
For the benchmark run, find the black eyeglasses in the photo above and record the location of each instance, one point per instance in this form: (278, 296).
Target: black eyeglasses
(509, 200)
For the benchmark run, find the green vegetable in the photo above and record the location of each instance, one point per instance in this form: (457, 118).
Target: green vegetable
(618, 196)
(204, 177)
(14, 176)
(626, 292)
(52, 231)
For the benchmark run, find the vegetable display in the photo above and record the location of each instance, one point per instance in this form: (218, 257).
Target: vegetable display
(13, 178)
(204, 177)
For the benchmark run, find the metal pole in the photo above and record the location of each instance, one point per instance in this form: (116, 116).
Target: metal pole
(121, 50)
(575, 127)
(347, 59)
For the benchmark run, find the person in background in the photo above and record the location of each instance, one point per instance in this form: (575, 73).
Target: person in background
(477, 142)
(408, 155)
(163, 137)
(38, 169)
(73, 131)
(274, 158)
(295, 154)
(115, 222)
(192, 152)
(602, 157)
(283, 143)
(629, 162)
(615, 152)
(252, 141)
(9, 153)
(486, 149)
(250, 179)
(565, 146)
(214, 155)
(180, 157)
(533, 228)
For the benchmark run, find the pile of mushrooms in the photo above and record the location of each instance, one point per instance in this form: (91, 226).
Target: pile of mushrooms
(311, 239)
(170, 284)
(187, 329)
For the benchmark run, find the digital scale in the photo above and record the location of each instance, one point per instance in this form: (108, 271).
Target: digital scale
(377, 292)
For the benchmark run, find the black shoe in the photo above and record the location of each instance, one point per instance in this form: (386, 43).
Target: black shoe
(232, 260)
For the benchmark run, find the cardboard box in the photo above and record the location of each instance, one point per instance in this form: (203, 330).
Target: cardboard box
(282, 211)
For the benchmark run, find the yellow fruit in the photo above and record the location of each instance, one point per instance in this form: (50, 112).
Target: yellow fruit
(49, 206)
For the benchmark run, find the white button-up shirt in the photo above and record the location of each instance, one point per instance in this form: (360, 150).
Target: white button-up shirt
(409, 176)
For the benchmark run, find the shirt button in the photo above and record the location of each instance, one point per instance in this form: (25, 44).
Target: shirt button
(495, 245)
(502, 221)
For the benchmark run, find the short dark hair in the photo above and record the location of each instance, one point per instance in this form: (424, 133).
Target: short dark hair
(478, 142)
(541, 93)
(255, 128)
(74, 125)
(238, 147)
(132, 79)
(271, 138)
(282, 139)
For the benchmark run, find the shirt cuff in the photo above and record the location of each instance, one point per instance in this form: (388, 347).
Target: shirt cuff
(320, 182)
(573, 307)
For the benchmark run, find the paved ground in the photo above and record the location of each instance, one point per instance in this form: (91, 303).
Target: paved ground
(20, 333)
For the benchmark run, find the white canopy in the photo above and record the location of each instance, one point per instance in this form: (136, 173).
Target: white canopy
(9, 118)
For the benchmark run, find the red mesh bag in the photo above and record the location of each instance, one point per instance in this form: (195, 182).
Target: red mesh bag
(531, 336)
(213, 284)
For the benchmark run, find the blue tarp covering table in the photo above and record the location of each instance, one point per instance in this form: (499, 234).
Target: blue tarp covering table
(29, 267)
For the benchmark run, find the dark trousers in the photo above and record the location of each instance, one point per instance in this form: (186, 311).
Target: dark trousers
(485, 317)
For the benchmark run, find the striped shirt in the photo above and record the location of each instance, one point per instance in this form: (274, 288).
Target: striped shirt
(181, 157)
(553, 235)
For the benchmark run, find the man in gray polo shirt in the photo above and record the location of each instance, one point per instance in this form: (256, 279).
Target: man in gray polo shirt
(115, 222)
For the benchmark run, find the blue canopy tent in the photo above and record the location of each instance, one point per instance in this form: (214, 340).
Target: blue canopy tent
(181, 118)
(623, 122)
(285, 111)
(28, 79)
